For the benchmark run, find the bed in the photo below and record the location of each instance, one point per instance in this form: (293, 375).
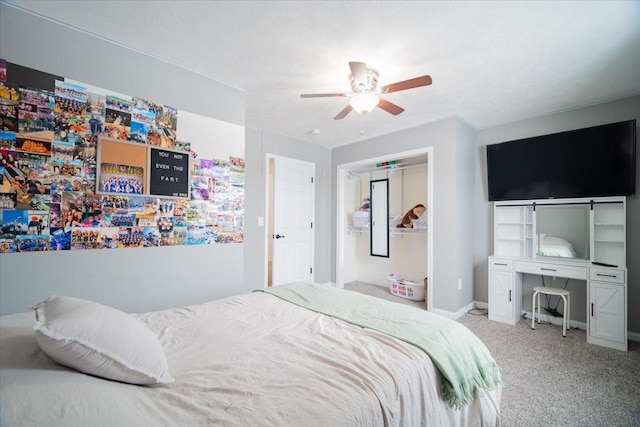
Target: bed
(263, 359)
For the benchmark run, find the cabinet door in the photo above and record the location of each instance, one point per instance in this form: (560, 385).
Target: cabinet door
(606, 311)
(500, 294)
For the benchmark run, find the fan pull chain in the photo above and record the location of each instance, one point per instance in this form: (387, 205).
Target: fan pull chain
(362, 131)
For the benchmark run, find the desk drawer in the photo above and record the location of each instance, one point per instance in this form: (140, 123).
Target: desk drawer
(500, 264)
(555, 270)
(606, 275)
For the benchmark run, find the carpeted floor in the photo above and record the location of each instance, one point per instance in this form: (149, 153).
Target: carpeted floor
(549, 380)
(381, 292)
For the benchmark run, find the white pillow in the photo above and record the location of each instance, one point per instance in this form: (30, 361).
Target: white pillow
(100, 340)
(556, 246)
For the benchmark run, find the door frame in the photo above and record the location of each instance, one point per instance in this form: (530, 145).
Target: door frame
(341, 223)
(267, 214)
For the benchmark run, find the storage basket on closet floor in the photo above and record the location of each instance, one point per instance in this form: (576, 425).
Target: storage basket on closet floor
(405, 288)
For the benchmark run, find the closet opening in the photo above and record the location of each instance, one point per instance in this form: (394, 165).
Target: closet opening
(408, 227)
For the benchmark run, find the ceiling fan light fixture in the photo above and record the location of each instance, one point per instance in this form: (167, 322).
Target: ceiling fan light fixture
(365, 93)
(363, 103)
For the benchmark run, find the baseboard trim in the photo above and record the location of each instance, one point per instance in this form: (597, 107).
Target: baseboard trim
(481, 305)
(454, 315)
(633, 336)
(445, 313)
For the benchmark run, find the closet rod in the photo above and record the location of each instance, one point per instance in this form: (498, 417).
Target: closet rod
(395, 167)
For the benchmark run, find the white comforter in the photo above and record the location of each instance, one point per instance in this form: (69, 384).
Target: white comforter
(249, 360)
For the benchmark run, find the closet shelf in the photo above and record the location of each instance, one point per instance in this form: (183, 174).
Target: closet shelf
(392, 230)
(396, 230)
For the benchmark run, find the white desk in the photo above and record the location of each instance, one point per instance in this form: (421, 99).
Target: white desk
(606, 296)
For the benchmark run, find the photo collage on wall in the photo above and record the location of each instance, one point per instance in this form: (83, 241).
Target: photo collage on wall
(216, 209)
(67, 181)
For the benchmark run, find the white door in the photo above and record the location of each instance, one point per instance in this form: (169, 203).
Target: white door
(292, 236)
(500, 297)
(606, 319)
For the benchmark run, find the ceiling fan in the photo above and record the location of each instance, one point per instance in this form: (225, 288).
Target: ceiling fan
(365, 93)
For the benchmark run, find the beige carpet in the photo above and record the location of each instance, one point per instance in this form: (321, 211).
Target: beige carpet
(553, 381)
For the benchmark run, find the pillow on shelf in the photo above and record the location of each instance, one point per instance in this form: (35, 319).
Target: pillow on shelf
(100, 340)
(555, 246)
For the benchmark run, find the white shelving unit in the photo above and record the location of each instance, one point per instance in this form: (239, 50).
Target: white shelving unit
(609, 239)
(515, 254)
(513, 231)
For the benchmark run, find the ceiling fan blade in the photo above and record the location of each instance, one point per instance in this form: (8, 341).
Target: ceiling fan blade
(321, 95)
(390, 107)
(407, 84)
(359, 73)
(342, 114)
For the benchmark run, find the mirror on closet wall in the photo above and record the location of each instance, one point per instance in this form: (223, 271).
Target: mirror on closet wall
(379, 191)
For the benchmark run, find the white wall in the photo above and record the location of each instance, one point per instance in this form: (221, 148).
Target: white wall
(29, 40)
(353, 241)
(258, 145)
(610, 112)
(129, 279)
(465, 225)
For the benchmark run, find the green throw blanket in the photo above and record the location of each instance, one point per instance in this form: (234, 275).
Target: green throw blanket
(465, 364)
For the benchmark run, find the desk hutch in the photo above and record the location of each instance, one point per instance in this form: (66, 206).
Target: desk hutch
(517, 232)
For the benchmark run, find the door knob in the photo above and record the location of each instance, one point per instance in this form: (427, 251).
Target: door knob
(278, 236)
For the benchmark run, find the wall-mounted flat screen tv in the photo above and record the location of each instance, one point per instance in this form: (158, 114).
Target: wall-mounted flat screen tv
(592, 162)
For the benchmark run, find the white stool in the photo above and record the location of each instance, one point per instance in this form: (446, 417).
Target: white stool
(551, 291)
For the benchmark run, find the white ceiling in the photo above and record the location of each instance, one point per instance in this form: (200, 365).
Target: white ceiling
(492, 62)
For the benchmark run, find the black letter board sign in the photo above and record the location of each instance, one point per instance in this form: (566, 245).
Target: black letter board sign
(169, 173)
